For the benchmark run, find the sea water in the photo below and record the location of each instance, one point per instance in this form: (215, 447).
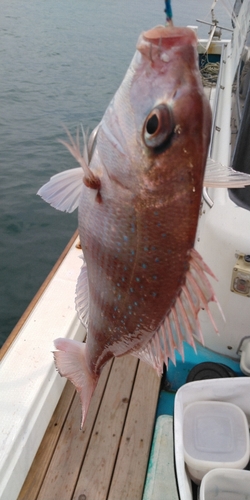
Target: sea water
(60, 63)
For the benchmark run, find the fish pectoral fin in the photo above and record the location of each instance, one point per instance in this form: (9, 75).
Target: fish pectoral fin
(182, 322)
(73, 146)
(218, 175)
(63, 190)
(70, 361)
(82, 296)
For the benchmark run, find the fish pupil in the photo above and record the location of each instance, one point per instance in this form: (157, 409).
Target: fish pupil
(152, 124)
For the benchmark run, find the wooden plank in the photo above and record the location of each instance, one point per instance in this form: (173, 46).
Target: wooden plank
(60, 480)
(131, 465)
(97, 470)
(42, 459)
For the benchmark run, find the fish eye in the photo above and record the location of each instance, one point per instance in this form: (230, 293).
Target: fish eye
(152, 124)
(158, 126)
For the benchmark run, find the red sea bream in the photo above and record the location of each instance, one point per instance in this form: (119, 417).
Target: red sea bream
(138, 191)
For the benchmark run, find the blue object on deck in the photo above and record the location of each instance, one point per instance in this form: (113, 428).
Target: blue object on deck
(176, 376)
(160, 481)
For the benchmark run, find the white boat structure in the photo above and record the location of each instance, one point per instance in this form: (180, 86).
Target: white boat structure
(31, 388)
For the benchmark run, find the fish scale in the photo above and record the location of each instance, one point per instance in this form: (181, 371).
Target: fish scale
(149, 282)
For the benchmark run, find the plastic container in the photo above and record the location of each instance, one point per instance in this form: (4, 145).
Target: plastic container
(225, 484)
(215, 434)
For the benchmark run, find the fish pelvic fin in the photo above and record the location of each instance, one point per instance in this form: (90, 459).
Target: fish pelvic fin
(82, 296)
(182, 322)
(70, 361)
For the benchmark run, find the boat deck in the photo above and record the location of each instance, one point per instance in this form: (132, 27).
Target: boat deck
(108, 459)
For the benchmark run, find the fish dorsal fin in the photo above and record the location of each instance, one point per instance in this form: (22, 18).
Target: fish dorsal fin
(181, 323)
(218, 175)
(82, 296)
(63, 190)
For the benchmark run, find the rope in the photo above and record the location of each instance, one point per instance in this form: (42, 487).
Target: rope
(209, 74)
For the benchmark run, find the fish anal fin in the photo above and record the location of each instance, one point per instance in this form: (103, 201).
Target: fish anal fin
(181, 323)
(70, 361)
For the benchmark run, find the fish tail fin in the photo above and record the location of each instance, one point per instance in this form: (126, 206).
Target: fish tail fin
(70, 361)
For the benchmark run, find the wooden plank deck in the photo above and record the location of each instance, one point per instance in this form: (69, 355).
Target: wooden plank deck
(108, 459)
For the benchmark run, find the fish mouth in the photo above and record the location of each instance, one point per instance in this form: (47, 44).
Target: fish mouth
(164, 38)
(170, 36)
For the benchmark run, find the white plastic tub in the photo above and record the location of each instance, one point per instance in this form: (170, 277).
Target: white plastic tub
(225, 484)
(232, 390)
(215, 434)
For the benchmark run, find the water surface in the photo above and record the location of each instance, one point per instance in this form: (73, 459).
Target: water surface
(60, 62)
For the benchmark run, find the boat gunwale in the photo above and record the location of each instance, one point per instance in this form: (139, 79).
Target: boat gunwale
(14, 333)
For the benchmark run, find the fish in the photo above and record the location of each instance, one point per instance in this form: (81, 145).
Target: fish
(138, 192)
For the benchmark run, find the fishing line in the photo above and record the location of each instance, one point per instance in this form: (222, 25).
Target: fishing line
(232, 11)
(169, 12)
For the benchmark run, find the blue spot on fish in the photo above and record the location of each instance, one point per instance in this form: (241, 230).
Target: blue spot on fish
(137, 279)
(131, 290)
(144, 266)
(164, 235)
(145, 249)
(125, 238)
(157, 259)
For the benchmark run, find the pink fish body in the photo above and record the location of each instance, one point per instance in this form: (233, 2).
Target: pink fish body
(142, 284)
